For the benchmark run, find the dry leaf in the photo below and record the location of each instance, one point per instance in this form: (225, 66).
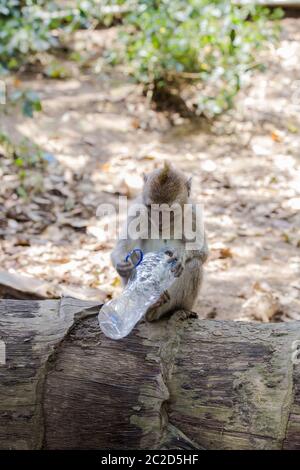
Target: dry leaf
(135, 123)
(225, 253)
(263, 305)
(16, 82)
(116, 282)
(286, 238)
(59, 261)
(106, 167)
(275, 136)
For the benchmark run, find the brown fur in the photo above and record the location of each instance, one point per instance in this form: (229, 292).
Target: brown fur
(165, 186)
(164, 174)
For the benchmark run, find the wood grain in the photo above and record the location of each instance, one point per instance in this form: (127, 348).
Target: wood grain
(169, 385)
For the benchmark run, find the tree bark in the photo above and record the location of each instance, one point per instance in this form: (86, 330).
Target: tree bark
(173, 384)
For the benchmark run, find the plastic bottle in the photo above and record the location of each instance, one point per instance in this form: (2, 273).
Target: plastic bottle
(148, 281)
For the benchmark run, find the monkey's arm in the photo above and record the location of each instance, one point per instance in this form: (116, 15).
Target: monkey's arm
(200, 251)
(124, 246)
(197, 248)
(118, 256)
(189, 251)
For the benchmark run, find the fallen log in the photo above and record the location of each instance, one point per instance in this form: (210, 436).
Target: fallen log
(173, 384)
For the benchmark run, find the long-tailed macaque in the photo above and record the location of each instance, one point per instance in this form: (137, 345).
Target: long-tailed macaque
(163, 189)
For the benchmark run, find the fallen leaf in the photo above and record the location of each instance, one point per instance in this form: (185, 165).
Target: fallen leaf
(225, 253)
(116, 282)
(59, 260)
(292, 128)
(275, 136)
(263, 305)
(106, 167)
(286, 238)
(135, 123)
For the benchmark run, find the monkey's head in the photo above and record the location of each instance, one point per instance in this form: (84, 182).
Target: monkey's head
(166, 186)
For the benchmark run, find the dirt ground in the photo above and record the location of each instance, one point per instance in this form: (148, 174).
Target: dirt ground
(100, 135)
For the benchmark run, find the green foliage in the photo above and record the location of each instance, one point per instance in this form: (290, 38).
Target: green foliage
(23, 31)
(197, 49)
(24, 155)
(31, 26)
(56, 70)
(105, 12)
(27, 99)
(208, 45)
(27, 160)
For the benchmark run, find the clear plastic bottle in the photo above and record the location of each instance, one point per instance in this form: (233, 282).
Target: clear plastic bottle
(148, 281)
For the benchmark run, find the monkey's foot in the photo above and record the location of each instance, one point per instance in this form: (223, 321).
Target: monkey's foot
(182, 315)
(153, 312)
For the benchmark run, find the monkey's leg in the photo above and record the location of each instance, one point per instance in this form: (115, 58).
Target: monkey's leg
(163, 300)
(182, 293)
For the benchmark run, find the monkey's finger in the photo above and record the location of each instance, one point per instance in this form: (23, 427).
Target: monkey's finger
(176, 267)
(177, 270)
(169, 252)
(172, 254)
(167, 295)
(125, 268)
(178, 274)
(158, 303)
(173, 258)
(164, 298)
(125, 264)
(124, 272)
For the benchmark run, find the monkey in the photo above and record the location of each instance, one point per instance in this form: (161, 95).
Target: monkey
(166, 187)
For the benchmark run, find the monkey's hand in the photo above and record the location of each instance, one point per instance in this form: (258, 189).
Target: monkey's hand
(178, 262)
(125, 268)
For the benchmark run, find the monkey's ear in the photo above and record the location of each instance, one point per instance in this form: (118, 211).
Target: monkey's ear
(189, 185)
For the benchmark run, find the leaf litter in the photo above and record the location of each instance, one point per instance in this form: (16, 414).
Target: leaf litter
(98, 135)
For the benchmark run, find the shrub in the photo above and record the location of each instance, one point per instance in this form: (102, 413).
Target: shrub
(170, 44)
(31, 26)
(23, 31)
(27, 161)
(195, 50)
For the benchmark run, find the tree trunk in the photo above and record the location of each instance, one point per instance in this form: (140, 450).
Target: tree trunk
(171, 384)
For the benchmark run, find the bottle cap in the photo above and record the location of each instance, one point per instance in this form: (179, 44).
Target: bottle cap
(136, 250)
